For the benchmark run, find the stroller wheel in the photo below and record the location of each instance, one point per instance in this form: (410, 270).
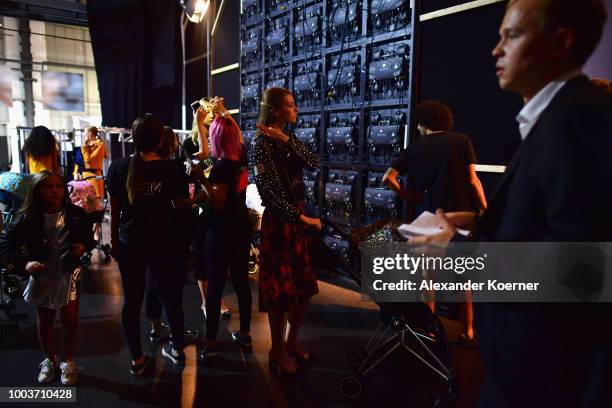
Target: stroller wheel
(447, 400)
(357, 355)
(350, 386)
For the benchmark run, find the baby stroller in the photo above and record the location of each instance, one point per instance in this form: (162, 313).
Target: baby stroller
(407, 327)
(13, 189)
(83, 194)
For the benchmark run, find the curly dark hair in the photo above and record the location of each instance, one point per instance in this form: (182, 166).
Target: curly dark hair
(434, 115)
(40, 142)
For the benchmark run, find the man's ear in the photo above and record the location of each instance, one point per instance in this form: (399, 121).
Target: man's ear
(564, 42)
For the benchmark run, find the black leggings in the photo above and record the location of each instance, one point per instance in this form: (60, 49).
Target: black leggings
(153, 306)
(227, 247)
(167, 272)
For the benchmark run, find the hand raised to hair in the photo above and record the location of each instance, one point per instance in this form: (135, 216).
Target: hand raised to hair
(273, 133)
(217, 105)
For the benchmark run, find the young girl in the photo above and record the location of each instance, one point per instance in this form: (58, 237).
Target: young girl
(50, 237)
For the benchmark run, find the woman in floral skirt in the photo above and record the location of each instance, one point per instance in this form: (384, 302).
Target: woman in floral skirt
(286, 278)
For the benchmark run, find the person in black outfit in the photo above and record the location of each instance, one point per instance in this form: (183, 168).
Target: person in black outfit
(192, 149)
(229, 233)
(441, 167)
(441, 164)
(144, 237)
(555, 189)
(153, 308)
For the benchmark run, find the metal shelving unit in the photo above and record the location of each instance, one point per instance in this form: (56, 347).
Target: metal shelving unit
(302, 36)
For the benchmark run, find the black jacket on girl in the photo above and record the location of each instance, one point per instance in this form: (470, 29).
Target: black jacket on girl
(25, 242)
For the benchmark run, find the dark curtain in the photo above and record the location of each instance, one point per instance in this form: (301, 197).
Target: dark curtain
(138, 55)
(456, 67)
(226, 51)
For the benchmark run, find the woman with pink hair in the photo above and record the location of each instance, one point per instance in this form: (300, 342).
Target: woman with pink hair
(228, 238)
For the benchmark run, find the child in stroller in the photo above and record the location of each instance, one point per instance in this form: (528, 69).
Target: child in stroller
(13, 189)
(83, 194)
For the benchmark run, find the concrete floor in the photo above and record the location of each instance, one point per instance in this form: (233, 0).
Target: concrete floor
(337, 321)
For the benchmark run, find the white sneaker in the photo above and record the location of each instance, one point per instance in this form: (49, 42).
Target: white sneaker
(69, 373)
(47, 371)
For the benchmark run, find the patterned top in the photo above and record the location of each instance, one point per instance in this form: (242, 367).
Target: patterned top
(277, 168)
(84, 195)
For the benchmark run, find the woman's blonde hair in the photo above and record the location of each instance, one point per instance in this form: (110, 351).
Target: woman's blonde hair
(194, 132)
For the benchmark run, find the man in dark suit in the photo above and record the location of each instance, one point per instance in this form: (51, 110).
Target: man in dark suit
(557, 188)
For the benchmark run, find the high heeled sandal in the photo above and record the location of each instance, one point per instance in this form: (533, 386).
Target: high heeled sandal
(276, 368)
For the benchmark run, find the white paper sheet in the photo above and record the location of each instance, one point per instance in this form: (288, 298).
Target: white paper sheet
(425, 224)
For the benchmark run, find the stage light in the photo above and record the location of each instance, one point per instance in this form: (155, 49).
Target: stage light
(195, 9)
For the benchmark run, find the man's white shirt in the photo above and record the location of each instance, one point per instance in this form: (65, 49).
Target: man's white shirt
(531, 112)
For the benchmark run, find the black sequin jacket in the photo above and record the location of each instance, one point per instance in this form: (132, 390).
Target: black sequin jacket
(277, 169)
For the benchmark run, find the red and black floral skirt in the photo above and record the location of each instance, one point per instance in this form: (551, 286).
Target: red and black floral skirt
(286, 277)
